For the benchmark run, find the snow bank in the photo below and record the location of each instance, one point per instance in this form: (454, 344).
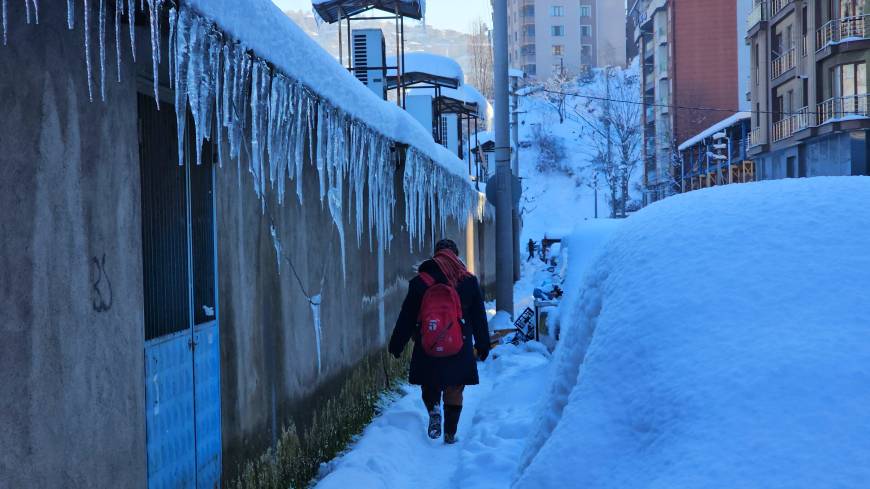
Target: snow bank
(721, 341)
(431, 64)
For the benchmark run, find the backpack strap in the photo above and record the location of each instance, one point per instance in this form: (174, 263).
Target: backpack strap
(427, 279)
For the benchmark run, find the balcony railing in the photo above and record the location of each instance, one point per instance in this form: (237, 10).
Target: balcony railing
(840, 108)
(782, 64)
(838, 30)
(777, 5)
(757, 14)
(791, 124)
(755, 137)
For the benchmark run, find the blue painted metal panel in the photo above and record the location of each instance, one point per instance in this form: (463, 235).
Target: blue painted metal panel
(169, 412)
(208, 405)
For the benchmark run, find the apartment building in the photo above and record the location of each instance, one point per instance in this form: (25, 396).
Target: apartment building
(809, 87)
(690, 59)
(548, 37)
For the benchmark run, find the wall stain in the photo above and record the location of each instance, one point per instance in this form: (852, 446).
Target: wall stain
(101, 290)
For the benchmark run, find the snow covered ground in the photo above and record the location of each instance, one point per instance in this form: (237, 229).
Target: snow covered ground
(720, 341)
(394, 451)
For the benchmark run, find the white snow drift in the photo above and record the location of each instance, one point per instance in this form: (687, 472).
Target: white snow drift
(722, 340)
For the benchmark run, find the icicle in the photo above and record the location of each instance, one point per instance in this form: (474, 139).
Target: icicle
(87, 31)
(70, 14)
(181, 58)
(27, 10)
(119, 7)
(36, 10)
(3, 9)
(131, 21)
(315, 315)
(154, 16)
(101, 27)
(277, 244)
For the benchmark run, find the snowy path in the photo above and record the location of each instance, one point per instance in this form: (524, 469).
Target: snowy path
(394, 450)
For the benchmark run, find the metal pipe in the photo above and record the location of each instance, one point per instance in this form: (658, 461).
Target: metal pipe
(504, 292)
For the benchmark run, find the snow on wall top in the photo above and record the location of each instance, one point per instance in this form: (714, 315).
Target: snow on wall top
(719, 126)
(431, 64)
(262, 27)
(769, 391)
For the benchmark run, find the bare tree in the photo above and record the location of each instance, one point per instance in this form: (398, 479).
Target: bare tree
(480, 54)
(612, 110)
(556, 92)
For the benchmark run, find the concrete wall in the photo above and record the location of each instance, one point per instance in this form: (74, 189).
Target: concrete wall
(268, 343)
(72, 396)
(72, 401)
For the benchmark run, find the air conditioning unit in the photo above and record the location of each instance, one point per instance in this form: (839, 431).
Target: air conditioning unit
(370, 59)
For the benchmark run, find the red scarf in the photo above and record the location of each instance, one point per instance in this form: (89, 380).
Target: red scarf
(451, 266)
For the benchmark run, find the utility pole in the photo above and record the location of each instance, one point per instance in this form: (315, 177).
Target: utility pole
(609, 141)
(515, 165)
(504, 290)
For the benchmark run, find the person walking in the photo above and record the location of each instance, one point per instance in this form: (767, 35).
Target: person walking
(444, 314)
(531, 247)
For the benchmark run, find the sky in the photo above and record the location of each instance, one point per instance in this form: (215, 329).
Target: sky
(443, 14)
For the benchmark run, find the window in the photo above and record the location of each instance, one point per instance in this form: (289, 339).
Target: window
(585, 11)
(851, 79)
(557, 11)
(586, 54)
(558, 49)
(529, 31)
(528, 11)
(586, 30)
(557, 30)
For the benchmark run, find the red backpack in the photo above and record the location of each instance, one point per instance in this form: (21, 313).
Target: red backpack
(440, 319)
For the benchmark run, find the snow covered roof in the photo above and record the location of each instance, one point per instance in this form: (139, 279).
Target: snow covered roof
(430, 64)
(266, 30)
(482, 138)
(328, 10)
(516, 73)
(719, 126)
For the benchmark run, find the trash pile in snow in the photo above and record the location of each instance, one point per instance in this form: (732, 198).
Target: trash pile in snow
(250, 76)
(721, 340)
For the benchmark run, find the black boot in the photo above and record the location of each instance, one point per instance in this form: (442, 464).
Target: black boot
(451, 422)
(435, 423)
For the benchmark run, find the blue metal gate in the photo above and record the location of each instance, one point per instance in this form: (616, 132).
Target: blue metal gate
(182, 348)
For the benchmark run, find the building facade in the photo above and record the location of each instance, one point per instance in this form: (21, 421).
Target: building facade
(809, 87)
(680, 79)
(549, 37)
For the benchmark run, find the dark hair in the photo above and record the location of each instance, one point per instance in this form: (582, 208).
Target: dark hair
(447, 244)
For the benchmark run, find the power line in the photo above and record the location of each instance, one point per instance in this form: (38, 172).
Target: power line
(684, 107)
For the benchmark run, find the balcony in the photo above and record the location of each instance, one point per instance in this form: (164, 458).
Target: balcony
(755, 137)
(793, 123)
(839, 30)
(757, 14)
(777, 5)
(782, 64)
(842, 108)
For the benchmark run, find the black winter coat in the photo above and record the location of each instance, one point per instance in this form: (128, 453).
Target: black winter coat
(460, 369)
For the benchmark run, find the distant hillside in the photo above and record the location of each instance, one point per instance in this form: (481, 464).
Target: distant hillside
(418, 37)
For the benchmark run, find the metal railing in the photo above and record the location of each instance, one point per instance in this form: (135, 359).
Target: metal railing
(757, 14)
(755, 137)
(839, 108)
(782, 64)
(837, 30)
(793, 123)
